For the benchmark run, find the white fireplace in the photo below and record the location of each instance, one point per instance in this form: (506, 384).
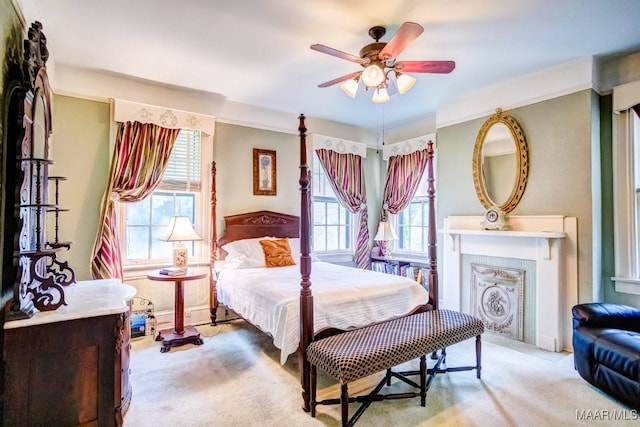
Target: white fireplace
(549, 241)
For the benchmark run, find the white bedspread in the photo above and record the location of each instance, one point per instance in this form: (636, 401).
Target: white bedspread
(343, 297)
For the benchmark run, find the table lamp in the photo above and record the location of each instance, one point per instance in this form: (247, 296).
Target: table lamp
(180, 230)
(385, 234)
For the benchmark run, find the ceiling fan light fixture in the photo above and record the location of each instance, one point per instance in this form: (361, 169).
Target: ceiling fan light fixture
(373, 75)
(350, 87)
(404, 82)
(379, 60)
(380, 95)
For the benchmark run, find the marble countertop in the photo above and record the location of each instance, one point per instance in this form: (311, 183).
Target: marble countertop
(90, 298)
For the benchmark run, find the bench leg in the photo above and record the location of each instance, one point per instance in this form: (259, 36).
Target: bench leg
(344, 404)
(423, 380)
(478, 356)
(312, 385)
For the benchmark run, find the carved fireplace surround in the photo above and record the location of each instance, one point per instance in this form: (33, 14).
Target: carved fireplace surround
(550, 241)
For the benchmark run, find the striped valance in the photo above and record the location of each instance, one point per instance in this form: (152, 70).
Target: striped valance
(408, 146)
(128, 111)
(338, 145)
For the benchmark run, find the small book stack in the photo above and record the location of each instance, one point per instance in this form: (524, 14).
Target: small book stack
(173, 271)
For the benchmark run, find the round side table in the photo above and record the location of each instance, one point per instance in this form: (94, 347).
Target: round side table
(180, 334)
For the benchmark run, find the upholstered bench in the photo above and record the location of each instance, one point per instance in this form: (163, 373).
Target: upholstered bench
(361, 352)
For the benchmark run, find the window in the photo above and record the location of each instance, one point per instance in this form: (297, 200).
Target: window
(179, 193)
(332, 230)
(635, 141)
(413, 221)
(626, 167)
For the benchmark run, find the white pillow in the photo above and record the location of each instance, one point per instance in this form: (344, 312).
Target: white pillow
(241, 261)
(246, 253)
(218, 266)
(294, 244)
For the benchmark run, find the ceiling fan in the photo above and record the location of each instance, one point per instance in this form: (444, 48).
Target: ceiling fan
(381, 67)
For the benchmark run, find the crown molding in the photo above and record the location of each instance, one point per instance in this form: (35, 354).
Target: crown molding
(550, 83)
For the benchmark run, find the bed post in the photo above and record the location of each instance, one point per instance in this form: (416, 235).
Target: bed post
(306, 298)
(431, 238)
(213, 247)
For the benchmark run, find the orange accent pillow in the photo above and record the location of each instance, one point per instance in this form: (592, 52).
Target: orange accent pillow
(277, 253)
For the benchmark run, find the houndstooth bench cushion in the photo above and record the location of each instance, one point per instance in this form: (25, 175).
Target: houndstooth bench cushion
(361, 352)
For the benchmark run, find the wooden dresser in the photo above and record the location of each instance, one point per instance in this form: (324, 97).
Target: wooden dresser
(71, 366)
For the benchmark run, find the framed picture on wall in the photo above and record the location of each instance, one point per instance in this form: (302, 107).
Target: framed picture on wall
(264, 172)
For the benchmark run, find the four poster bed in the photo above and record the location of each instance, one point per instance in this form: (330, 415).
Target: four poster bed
(279, 300)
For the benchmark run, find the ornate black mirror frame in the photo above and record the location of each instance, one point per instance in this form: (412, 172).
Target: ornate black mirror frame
(12, 131)
(522, 160)
(40, 276)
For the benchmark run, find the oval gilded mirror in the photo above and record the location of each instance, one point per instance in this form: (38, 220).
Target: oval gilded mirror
(500, 162)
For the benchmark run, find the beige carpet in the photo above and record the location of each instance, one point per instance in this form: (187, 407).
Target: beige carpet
(235, 379)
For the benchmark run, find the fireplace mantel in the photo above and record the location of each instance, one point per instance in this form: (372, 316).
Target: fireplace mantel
(550, 241)
(546, 237)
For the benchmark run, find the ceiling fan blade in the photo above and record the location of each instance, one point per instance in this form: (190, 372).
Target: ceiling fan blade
(337, 53)
(340, 79)
(441, 67)
(408, 32)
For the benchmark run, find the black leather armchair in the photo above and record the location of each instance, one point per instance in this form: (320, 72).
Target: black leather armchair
(606, 349)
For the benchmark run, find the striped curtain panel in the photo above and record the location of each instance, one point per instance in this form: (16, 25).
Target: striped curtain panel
(347, 180)
(403, 178)
(139, 160)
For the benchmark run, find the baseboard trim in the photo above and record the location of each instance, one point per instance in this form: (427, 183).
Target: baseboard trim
(197, 315)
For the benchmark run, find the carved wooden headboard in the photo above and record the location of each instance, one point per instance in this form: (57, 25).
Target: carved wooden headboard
(258, 224)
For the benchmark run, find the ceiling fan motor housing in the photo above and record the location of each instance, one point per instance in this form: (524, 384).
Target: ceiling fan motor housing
(371, 52)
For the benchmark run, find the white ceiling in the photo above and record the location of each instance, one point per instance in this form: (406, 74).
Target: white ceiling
(257, 52)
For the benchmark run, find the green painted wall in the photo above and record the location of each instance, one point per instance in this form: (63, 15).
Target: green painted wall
(233, 153)
(606, 161)
(80, 150)
(559, 138)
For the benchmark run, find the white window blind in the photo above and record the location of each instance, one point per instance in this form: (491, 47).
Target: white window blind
(183, 171)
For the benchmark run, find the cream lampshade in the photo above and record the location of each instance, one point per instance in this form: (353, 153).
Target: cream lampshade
(350, 87)
(404, 82)
(373, 75)
(180, 230)
(380, 95)
(385, 234)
